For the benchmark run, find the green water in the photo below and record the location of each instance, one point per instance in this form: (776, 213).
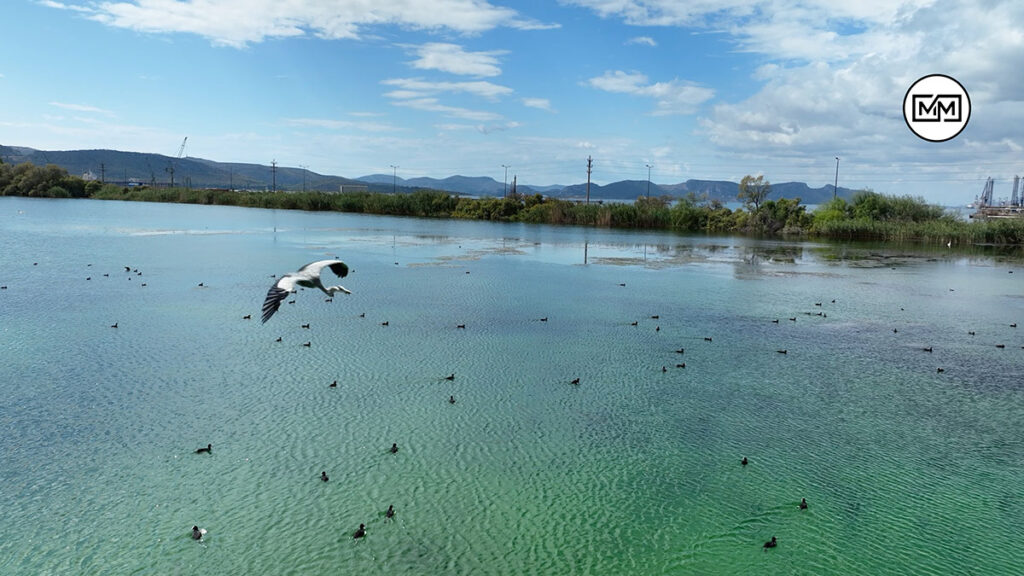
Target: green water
(633, 471)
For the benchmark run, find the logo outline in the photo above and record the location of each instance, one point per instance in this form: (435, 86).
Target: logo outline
(936, 108)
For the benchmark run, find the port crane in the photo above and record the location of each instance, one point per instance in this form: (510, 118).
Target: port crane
(170, 165)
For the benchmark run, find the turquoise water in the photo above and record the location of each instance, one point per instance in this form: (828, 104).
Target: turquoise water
(634, 471)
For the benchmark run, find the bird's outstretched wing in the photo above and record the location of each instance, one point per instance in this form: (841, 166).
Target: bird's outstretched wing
(277, 293)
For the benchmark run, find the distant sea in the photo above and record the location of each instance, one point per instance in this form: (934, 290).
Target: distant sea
(884, 384)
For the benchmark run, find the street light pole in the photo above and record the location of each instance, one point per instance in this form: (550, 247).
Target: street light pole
(394, 179)
(505, 194)
(835, 187)
(648, 181)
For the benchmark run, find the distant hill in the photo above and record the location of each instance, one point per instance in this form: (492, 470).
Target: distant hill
(155, 169)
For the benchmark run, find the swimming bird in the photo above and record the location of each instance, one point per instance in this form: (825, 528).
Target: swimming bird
(307, 276)
(323, 476)
(451, 399)
(450, 376)
(681, 351)
(207, 450)
(803, 503)
(707, 339)
(575, 381)
(278, 339)
(305, 326)
(114, 325)
(682, 365)
(928, 349)
(782, 351)
(247, 317)
(771, 543)
(308, 344)
(776, 321)
(940, 370)
(391, 512)
(333, 384)
(196, 533)
(744, 461)
(394, 447)
(462, 326)
(361, 532)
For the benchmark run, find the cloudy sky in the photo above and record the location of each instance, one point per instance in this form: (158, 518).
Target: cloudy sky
(705, 89)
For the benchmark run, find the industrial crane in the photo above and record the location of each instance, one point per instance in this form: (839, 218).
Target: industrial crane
(170, 167)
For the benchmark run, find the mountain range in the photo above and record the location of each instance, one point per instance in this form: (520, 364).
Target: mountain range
(139, 168)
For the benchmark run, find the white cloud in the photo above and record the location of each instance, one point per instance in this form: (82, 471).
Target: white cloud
(416, 87)
(645, 40)
(452, 58)
(673, 97)
(539, 103)
(433, 105)
(241, 22)
(82, 108)
(330, 124)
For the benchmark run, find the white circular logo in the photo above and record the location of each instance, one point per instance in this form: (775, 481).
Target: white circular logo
(937, 108)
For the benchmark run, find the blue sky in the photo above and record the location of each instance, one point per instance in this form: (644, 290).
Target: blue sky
(704, 89)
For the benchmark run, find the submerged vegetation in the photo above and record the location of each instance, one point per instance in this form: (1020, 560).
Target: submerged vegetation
(868, 216)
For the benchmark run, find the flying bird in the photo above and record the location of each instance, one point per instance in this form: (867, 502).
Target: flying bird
(309, 277)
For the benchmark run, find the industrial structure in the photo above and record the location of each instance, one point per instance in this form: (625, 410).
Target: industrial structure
(988, 208)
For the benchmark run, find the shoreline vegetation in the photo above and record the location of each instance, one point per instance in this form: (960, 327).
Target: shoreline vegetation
(868, 216)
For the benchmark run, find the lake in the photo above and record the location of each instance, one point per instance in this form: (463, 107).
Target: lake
(911, 461)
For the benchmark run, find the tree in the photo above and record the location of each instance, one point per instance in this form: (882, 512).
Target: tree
(754, 190)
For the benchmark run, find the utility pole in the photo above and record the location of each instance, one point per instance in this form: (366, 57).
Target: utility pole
(394, 179)
(103, 174)
(835, 187)
(648, 181)
(505, 193)
(590, 165)
(273, 170)
(304, 170)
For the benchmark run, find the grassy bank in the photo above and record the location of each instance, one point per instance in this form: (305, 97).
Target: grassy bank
(869, 216)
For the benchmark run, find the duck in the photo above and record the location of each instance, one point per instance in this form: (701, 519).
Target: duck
(323, 476)
(391, 512)
(360, 533)
(333, 384)
(450, 376)
(197, 533)
(803, 503)
(207, 450)
(744, 461)
(247, 317)
(394, 447)
(451, 399)
(771, 543)
(575, 381)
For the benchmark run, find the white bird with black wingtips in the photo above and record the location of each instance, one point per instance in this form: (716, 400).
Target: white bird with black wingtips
(309, 277)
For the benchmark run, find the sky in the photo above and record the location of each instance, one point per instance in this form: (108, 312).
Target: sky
(670, 90)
